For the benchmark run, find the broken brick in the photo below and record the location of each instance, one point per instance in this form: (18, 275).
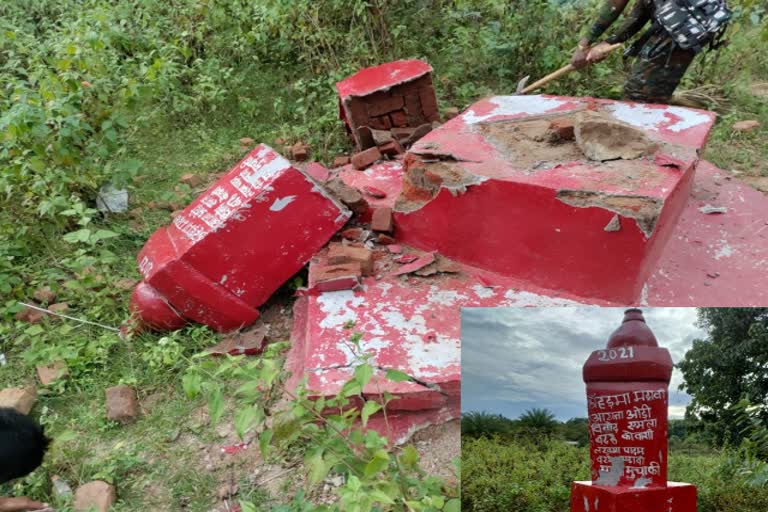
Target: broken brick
(340, 161)
(340, 253)
(122, 405)
(352, 233)
(562, 127)
(193, 180)
(381, 123)
(61, 307)
(418, 133)
(300, 152)
(21, 399)
(365, 158)
(429, 103)
(96, 496)
(44, 295)
(318, 171)
(382, 220)
(401, 133)
(246, 141)
(450, 113)
(350, 196)
(30, 315)
(746, 126)
(52, 372)
(330, 278)
(381, 137)
(378, 107)
(399, 119)
(391, 148)
(365, 137)
(385, 239)
(374, 192)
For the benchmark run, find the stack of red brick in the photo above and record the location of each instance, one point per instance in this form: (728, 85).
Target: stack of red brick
(388, 107)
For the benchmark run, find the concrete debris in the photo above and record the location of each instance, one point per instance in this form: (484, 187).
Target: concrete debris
(708, 209)
(247, 142)
(96, 496)
(613, 225)
(563, 127)
(21, 399)
(354, 234)
(381, 137)
(384, 239)
(122, 405)
(601, 137)
(249, 342)
(419, 263)
(317, 171)
(111, 199)
(391, 149)
(374, 192)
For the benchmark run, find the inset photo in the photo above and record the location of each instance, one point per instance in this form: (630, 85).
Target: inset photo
(591, 409)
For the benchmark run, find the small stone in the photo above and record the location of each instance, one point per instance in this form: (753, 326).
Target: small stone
(21, 399)
(279, 141)
(125, 283)
(227, 490)
(193, 180)
(746, 126)
(122, 405)
(52, 372)
(246, 141)
(44, 295)
(95, 496)
(86, 84)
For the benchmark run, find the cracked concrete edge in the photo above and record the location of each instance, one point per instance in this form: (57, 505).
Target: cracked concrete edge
(644, 210)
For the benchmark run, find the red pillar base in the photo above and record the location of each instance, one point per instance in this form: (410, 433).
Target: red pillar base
(676, 497)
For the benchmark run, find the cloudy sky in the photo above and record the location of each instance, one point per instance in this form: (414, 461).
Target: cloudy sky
(519, 358)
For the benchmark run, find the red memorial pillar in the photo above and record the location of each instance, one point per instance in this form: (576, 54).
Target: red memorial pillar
(627, 397)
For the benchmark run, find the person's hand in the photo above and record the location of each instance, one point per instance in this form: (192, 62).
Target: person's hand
(579, 59)
(20, 505)
(598, 52)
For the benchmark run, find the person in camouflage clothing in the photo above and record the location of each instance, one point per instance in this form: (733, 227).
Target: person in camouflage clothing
(659, 65)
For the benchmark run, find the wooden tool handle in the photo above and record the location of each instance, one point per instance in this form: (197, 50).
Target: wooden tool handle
(560, 72)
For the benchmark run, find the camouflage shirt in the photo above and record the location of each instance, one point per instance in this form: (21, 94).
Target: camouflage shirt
(640, 14)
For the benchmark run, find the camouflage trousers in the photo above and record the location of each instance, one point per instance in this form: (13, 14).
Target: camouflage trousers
(658, 68)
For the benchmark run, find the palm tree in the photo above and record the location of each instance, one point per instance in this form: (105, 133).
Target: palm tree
(540, 421)
(484, 424)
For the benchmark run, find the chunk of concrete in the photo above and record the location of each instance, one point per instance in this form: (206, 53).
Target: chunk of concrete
(49, 374)
(602, 137)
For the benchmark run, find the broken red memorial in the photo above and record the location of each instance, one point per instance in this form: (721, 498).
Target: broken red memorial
(627, 401)
(237, 243)
(390, 96)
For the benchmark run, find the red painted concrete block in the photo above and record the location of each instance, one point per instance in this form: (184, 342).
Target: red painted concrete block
(235, 245)
(488, 189)
(677, 497)
(317, 171)
(384, 96)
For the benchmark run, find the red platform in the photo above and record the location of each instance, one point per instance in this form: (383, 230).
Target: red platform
(710, 259)
(677, 497)
(227, 252)
(562, 222)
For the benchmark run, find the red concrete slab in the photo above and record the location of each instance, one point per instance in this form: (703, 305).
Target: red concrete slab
(676, 497)
(538, 209)
(378, 78)
(227, 252)
(709, 260)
